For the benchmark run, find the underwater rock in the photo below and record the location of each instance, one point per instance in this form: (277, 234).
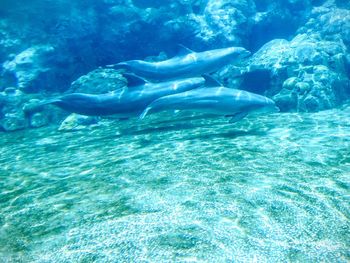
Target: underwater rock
(11, 100)
(9, 41)
(32, 106)
(248, 23)
(227, 21)
(12, 117)
(39, 119)
(13, 121)
(286, 100)
(211, 23)
(330, 22)
(305, 74)
(19, 110)
(30, 68)
(98, 81)
(76, 122)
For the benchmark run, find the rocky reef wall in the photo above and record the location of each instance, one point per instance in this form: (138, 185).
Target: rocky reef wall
(301, 48)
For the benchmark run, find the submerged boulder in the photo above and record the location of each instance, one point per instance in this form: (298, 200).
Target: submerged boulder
(98, 81)
(306, 73)
(13, 121)
(30, 68)
(227, 21)
(11, 115)
(19, 110)
(39, 119)
(330, 22)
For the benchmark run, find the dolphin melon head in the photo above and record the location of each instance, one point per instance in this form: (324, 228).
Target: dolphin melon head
(265, 105)
(239, 53)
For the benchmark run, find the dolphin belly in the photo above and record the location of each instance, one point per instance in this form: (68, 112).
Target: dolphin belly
(216, 100)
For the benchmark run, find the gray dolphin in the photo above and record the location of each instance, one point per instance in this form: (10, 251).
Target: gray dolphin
(219, 100)
(186, 64)
(126, 102)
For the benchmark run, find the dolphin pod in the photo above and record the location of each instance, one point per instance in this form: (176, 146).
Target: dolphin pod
(181, 84)
(125, 102)
(186, 64)
(219, 100)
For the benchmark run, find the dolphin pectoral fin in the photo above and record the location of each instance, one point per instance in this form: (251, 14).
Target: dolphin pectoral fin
(120, 65)
(210, 81)
(237, 117)
(111, 65)
(144, 113)
(184, 50)
(134, 80)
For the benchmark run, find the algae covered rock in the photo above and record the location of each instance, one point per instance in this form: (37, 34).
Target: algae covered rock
(306, 73)
(19, 110)
(11, 115)
(13, 121)
(11, 100)
(228, 21)
(99, 81)
(30, 68)
(330, 22)
(39, 119)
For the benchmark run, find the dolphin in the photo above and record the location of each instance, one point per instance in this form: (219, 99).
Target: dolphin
(218, 100)
(126, 102)
(186, 64)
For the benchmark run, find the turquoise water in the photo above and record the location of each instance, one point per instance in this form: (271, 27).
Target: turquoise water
(267, 189)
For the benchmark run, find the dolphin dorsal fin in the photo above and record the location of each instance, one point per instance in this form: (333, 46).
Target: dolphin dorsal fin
(134, 80)
(210, 81)
(183, 50)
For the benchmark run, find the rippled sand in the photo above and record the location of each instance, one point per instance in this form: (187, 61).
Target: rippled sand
(268, 189)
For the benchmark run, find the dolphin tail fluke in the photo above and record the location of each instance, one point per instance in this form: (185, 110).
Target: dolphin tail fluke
(144, 113)
(49, 101)
(32, 107)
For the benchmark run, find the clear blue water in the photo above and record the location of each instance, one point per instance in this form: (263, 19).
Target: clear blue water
(267, 189)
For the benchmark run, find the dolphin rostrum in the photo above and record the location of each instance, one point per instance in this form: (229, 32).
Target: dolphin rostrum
(126, 102)
(186, 64)
(218, 100)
